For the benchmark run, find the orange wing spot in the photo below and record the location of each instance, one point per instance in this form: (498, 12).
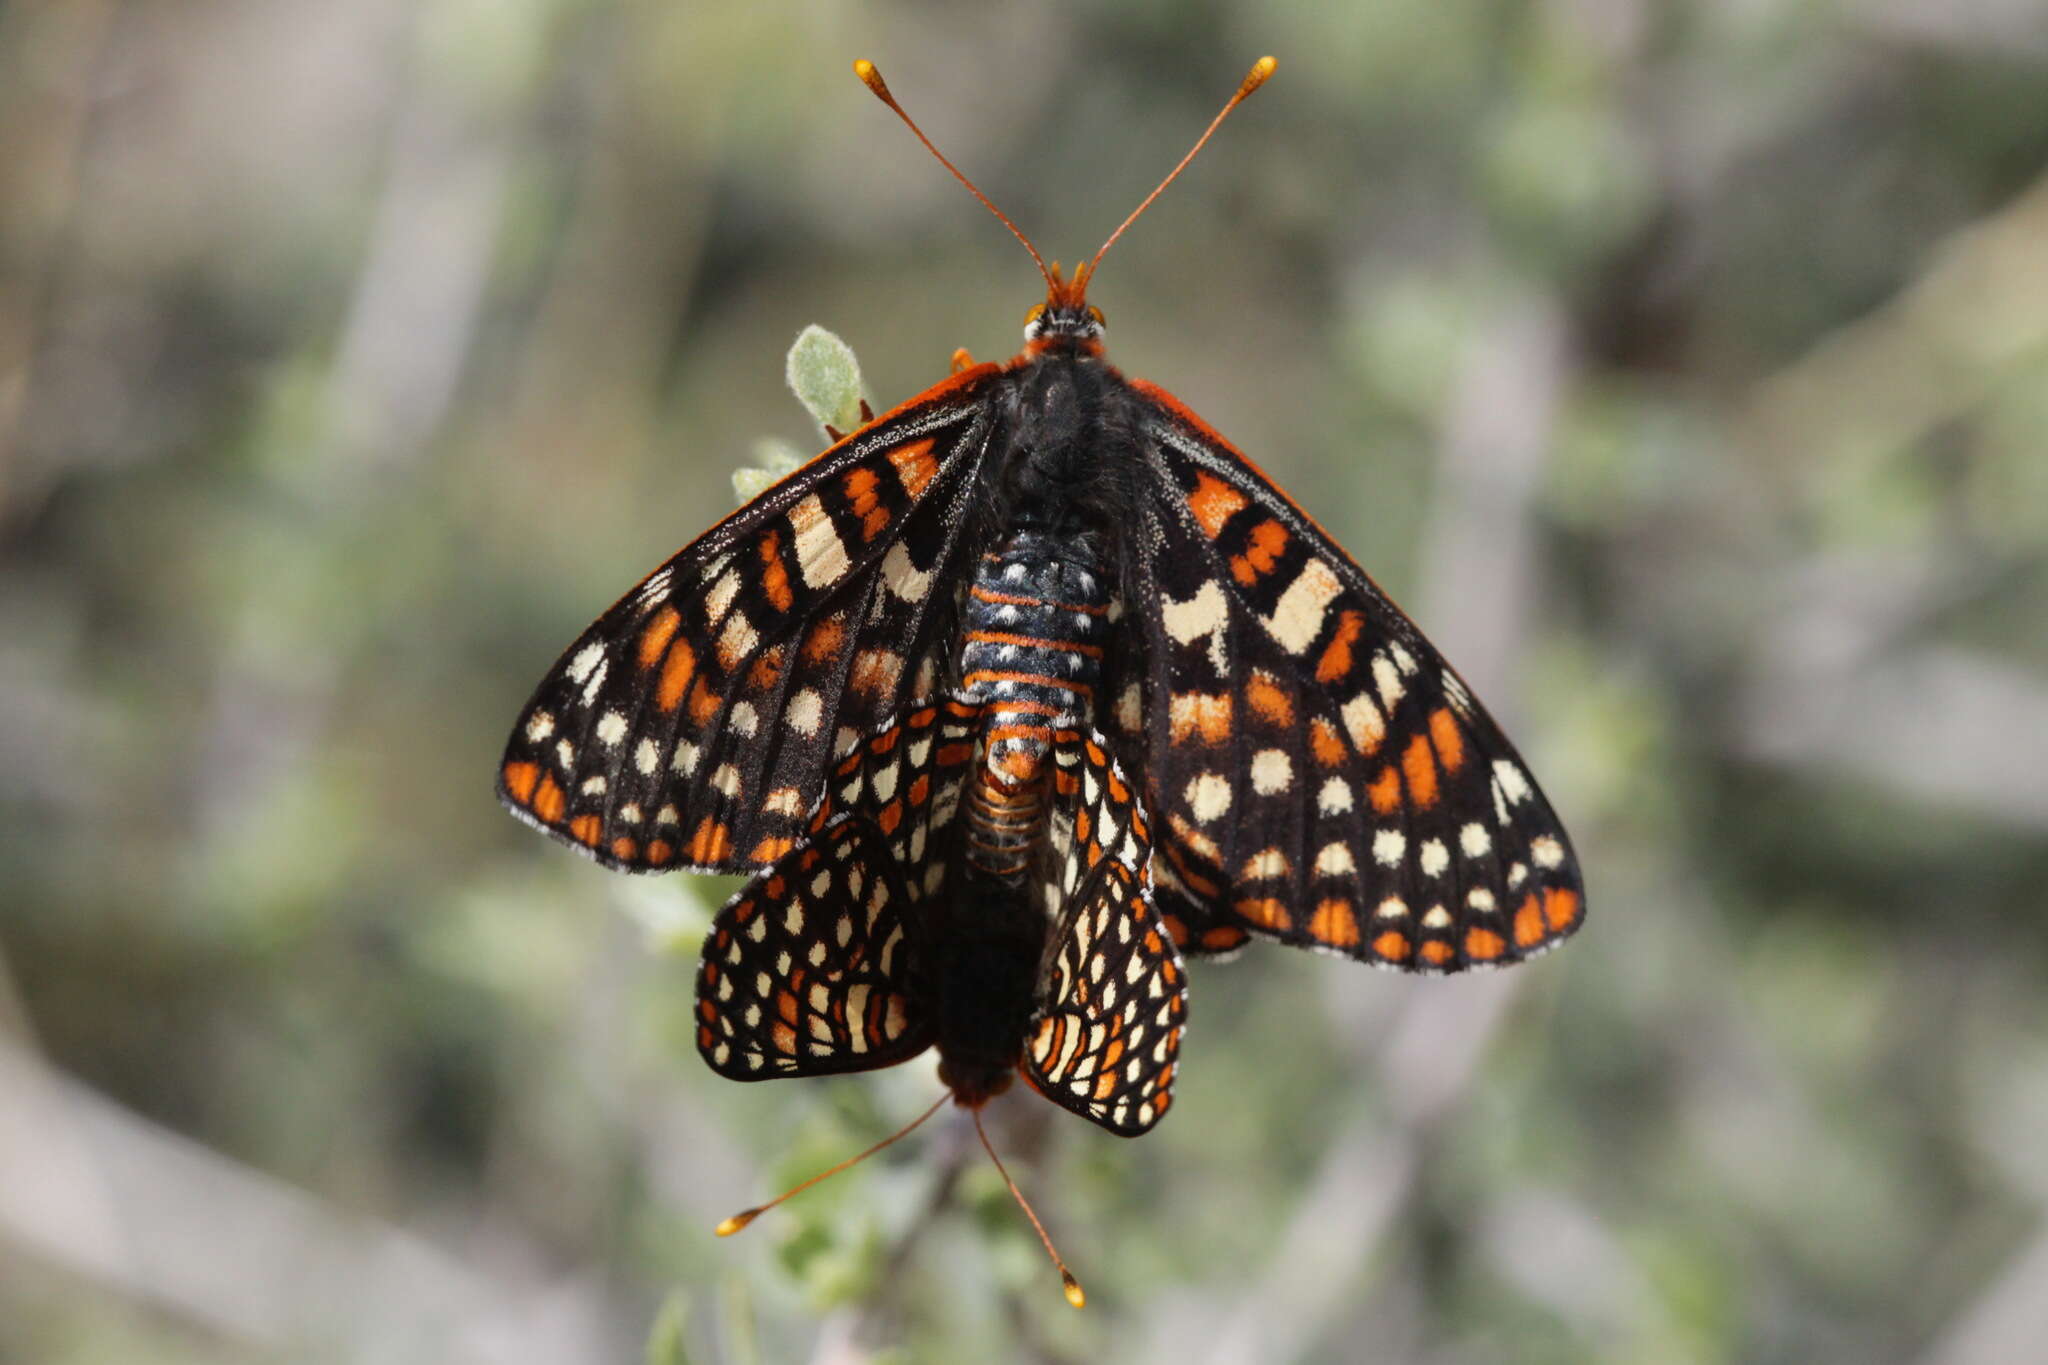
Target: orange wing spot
(1334, 924)
(1269, 542)
(1336, 663)
(1152, 943)
(1325, 743)
(1484, 945)
(1112, 1054)
(1385, 791)
(585, 829)
(921, 790)
(890, 817)
(520, 779)
(914, 464)
(875, 670)
(784, 1038)
(785, 1006)
(867, 503)
(774, 577)
(676, 671)
(1206, 713)
(1448, 739)
(1170, 972)
(625, 848)
(953, 755)
(1118, 792)
(1267, 913)
(774, 890)
(884, 742)
(1096, 756)
(1392, 946)
(1176, 930)
(705, 1037)
(712, 843)
(704, 703)
(1269, 701)
(767, 671)
(655, 635)
(550, 801)
(706, 1011)
(1222, 940)
(1214, 503)
(659, 852)
(1436, 952)
(1529, 922)
(1560, 908)
(768, 850)
(1419, 765)
(824, 641)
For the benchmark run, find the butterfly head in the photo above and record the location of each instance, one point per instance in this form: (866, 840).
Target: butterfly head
(1066, 319)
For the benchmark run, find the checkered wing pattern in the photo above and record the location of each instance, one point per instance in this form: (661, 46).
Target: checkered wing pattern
(1318, 773)
(811, 970)
(1106, 1039)
(693, 724)
(1093, 814)
(905, 781)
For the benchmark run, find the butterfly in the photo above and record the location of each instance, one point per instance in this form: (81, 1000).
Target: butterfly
(881, 934)
(1052, 538)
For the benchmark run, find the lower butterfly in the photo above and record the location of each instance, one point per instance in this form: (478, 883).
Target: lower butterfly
(885, 932)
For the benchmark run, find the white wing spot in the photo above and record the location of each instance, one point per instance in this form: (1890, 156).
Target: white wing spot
(1334, 798)
(1546, 851)
(804, 712)
(1435, 857)
(647, 757)
(1387, 678)
(1334, 860)
(594, 786)
(1271, 771)
(726, 779)
(1364, 723)
(902, 576)
(1512, 783)
(1393, 907)
(1297, 619)
(1208, 796)
(539, 726)
(1474, 839)
(821, 557)
(745, 719)
(1437, 918)
(1206, 613)
(611, 728)
(1389, 846)
(585, 662)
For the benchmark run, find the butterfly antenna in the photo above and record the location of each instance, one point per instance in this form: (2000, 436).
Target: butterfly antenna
(1067, 1280)
(872, 78)
(1255, 78)
(740, 1220)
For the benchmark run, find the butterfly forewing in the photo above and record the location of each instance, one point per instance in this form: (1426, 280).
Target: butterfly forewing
(692, 724)
(1318, 773)
(811, 970)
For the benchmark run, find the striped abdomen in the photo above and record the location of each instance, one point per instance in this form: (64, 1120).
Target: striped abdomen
(1032, 639)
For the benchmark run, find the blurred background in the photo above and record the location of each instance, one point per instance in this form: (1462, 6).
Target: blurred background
(1683, 369)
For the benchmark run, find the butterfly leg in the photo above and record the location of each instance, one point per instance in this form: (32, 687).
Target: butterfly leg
(962, 360)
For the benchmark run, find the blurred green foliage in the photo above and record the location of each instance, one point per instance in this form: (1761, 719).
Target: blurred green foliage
(1681, 367)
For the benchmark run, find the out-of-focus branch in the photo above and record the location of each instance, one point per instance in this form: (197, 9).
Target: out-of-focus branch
(154, 1218)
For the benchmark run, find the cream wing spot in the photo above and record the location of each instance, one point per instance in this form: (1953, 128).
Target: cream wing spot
(1298, 617)
(821, 556)
(804, 711)
(1435, 857)
(1272, 771)
(1334, 798)
(1207, 796)
(1474, 839)
(1389, 846)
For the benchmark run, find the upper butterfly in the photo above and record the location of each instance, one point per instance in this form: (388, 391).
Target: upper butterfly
(1070, 546)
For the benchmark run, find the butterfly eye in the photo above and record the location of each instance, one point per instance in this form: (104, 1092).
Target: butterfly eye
(1095, 316)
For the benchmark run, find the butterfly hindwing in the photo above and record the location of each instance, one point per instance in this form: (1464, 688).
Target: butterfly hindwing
(1318, 774)
(1106, 1036)
(812, 969)
(692, 724)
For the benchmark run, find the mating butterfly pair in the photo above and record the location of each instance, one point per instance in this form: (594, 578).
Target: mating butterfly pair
(1028, 553)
